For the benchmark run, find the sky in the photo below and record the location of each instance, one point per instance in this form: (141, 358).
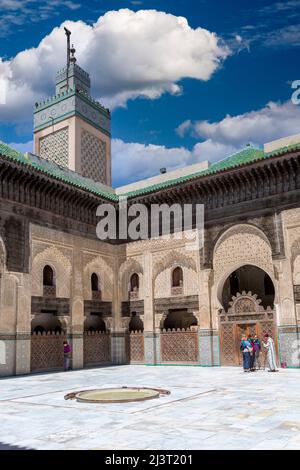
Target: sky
(186, 80)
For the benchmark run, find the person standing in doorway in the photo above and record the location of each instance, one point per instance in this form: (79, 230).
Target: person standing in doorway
(271, 354)
(256, 350)
(246, 348)
(67, 355)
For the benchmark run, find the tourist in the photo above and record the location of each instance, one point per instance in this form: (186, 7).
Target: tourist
(67, 355)
(246, 348)
(269, 345)
(256, 350)
(252, 355)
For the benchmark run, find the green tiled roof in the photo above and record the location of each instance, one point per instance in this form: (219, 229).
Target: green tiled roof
(247, 155)
(58, 172)
(243, 157)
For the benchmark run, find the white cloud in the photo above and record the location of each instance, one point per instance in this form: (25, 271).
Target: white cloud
(128, 54)
(273, 121)
(23, 147)
(133, 161)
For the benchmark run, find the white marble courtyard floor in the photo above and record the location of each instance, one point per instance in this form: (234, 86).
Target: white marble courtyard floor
(209, 408)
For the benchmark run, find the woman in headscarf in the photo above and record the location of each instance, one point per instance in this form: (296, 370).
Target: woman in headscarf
(269, 345)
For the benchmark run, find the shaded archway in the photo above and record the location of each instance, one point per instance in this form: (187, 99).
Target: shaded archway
(135, 324)
(249, 278)
(181, 319)
(94, 322)
(247, 297)
(46, 322)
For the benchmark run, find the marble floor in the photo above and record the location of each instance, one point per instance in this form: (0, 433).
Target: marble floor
(208, 408)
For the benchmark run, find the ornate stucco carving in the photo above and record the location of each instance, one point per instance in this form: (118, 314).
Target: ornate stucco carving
(242, 244)
(59, 260)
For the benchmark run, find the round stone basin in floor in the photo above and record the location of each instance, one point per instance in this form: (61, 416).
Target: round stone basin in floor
(117, 395)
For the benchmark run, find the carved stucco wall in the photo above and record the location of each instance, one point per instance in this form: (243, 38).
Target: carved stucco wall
(242, 244)
(95, 263)
(60, 260)
(132, 265)
(164, 280)
(290, 269)
(165, 262)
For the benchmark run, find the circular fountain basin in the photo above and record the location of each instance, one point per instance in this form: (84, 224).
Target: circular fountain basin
(117, 395)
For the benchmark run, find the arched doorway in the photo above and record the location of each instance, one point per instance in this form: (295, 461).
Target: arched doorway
(247, 297)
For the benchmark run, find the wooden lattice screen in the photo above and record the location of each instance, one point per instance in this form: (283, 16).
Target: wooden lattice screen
(96, 348)
(179, 346)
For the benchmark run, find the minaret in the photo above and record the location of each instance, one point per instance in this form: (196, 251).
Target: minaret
(71, 128)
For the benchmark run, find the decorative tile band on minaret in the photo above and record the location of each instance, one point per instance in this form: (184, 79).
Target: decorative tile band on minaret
(71, 128)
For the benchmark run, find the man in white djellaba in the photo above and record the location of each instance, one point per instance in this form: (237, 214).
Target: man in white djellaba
(269, 345)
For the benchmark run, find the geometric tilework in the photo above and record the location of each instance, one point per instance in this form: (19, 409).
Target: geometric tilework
(93, 157)
(55, 147)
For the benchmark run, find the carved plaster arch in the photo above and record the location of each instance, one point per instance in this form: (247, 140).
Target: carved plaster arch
(237, 229)
(105, 275)
(62, 266)
(127, 268)
(240, 245)
(172, 260)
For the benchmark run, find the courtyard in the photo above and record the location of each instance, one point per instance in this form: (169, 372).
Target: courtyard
(208, 408)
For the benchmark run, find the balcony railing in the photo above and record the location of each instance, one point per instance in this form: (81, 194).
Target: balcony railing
(134, 294)
(49, 291)
(96, 295)
(177, 290)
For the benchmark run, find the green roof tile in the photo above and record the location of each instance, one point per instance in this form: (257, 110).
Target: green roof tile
(247, 155)
(53, 170)
(243, 157)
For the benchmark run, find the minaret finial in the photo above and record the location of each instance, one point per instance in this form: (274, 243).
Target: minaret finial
(73, 58)
(68, 34)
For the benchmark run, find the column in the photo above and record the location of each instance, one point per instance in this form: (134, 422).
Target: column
(23, 325)
(209, 349)
(286, 315)
(76, 325)
(119, 329)
(151, 335)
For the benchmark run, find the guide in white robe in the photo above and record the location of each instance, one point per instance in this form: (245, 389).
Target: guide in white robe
(269, 345)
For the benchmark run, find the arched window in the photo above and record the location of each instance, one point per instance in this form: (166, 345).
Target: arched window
(48, 276)
(177, 277)
(95, 283)
(134, 282)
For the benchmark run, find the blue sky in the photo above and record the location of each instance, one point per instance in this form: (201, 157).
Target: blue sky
(170, 85)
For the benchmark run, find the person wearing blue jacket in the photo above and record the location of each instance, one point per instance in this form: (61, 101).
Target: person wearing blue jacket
(246, 349)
